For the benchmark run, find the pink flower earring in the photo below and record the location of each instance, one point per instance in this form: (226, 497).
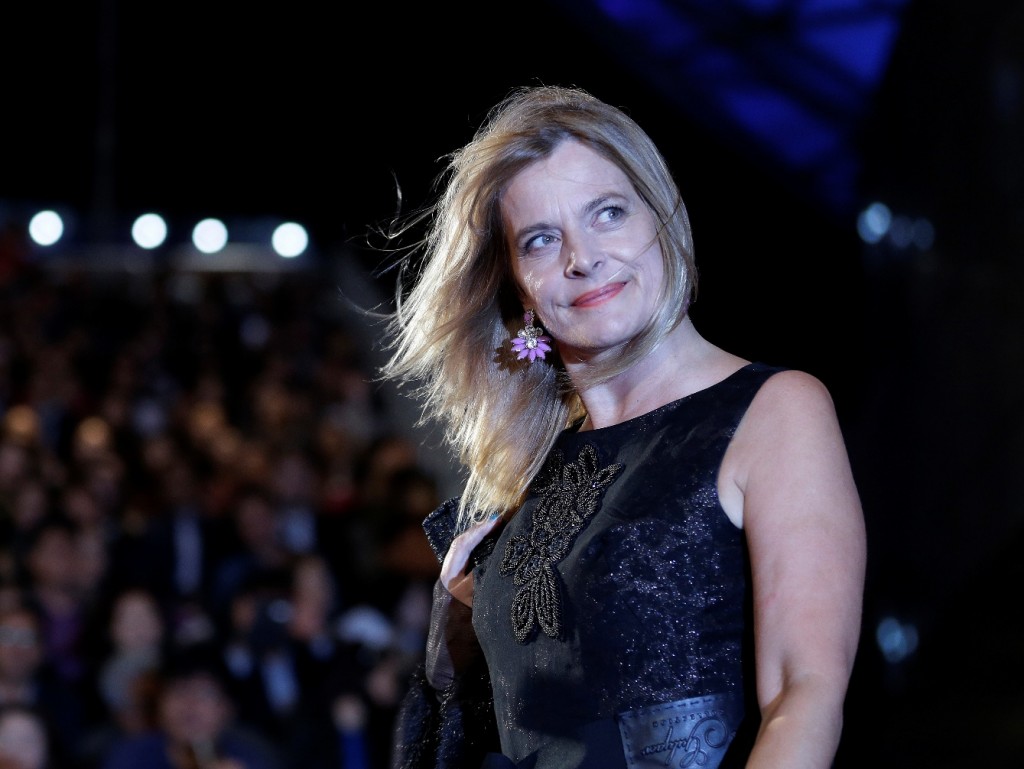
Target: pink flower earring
(531, 343)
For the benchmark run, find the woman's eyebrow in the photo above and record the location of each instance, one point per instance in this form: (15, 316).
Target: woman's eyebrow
(532, 229)
(600, 200)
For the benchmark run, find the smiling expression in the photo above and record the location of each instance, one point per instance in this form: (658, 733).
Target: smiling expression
(585, 253)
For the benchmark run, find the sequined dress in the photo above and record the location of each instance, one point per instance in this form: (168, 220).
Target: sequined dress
(614, 609)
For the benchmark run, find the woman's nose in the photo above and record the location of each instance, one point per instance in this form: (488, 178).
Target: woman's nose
(581, 262)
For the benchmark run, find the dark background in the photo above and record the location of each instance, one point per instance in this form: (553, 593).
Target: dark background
(323, 114)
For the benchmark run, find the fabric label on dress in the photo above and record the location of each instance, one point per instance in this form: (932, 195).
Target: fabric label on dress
(686, 733)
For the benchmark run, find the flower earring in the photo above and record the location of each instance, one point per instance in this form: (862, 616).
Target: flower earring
(531, 343)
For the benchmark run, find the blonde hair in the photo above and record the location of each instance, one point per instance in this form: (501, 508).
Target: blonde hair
(450, 332)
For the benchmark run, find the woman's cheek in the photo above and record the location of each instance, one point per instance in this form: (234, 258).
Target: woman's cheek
(531, 285)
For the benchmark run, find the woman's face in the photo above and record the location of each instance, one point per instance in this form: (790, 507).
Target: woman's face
(585, 252)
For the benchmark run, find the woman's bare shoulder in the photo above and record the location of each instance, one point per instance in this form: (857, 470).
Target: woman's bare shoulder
(792, 392)
(790, 427)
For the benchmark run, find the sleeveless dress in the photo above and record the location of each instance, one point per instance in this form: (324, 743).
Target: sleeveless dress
(614, 609)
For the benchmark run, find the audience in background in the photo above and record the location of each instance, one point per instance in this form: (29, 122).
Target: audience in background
(195, 726)
(28, 679)
(209, 530)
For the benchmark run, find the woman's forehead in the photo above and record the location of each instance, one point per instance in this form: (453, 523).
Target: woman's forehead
(574, 174)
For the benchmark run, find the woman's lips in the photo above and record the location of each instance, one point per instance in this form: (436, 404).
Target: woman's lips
(598, 295)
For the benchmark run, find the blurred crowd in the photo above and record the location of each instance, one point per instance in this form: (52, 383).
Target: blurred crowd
(210, 545)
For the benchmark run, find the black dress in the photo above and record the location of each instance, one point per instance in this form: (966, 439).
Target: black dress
(614, 609)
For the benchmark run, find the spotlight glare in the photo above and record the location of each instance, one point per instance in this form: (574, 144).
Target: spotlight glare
(46, 228)
(290, 239)
(210, 236)
(874, 222)
(896, 640)
(149, 231)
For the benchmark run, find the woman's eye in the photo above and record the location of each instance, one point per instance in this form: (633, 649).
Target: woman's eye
(611, 213)
(537, 242)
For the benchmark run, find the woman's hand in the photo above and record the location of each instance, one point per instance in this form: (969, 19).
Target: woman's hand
(454, 575)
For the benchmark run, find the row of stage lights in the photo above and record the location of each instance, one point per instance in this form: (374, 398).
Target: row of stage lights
(875, 224)
(149, 231)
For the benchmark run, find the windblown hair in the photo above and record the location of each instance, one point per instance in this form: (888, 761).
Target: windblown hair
(450, 331)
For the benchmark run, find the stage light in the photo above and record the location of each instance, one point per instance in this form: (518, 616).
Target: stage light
(210, 236)
(149, 231)
(46, 228)
(896, 640)
(874, 222)
(289, 239)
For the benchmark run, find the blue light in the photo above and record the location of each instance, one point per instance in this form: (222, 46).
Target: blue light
(874, 222)
(790, 82)
(896, 640)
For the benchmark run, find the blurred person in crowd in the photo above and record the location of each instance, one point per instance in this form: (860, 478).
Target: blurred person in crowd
(282, 410)
(25, 507)
(127, 672)
(404, 549)
(54, 588)
(137, 649)
(409, 569)
(257, 550)
(24, 453)
(196, 724)
(261, 674)
(295, 486)
(95, 537)
(285, 661)
(315, 604)
(24, 739)
(79, 504)
(103, 477)
(356, 545)
(334, 446)
(28, 680)
(16, 462)
(333, 713)
(376, 466)
(347, 402)
(180, 548)
(55, 391)
(12, 595)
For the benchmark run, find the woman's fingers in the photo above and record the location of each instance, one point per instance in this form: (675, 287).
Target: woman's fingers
(454, 575)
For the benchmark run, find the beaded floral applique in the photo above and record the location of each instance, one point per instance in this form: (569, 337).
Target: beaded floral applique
(569, 497)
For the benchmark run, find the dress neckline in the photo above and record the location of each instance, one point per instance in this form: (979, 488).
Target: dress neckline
(574, 430)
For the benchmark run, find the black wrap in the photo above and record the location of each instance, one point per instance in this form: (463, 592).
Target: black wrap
(446, 720)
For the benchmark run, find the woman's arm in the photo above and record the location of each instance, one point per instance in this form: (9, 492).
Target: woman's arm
(789, 469)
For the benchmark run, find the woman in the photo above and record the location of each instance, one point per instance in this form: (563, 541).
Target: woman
(660, 547)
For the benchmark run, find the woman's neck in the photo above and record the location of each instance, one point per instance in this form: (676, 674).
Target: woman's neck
(681, 365)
